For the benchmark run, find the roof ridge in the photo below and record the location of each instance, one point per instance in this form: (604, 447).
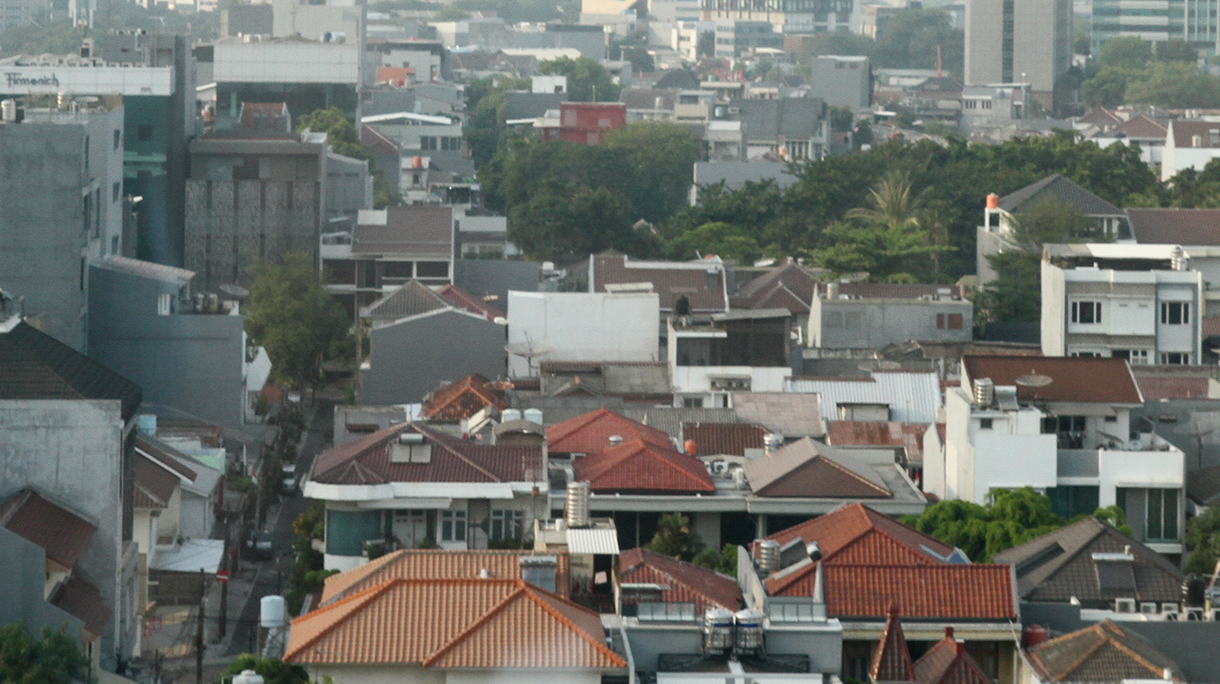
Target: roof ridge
(854, 475)
(458, 454)
(599, 646)
(1089, 653)
(362, 598)
(470, 629)
(1128, 650)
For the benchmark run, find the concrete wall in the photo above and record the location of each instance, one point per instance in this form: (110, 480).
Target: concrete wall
(842, 82)
(1054, 327)
(495, 278)
(414, 356)
(72, 451)
(874, 323)
(349, 188)
(581, 326)
(23, 565)
(1041, 42)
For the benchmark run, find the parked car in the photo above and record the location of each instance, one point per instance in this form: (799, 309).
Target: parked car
(288, 481)
(260, 545)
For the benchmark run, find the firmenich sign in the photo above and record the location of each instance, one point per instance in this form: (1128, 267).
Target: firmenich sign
(17, 79)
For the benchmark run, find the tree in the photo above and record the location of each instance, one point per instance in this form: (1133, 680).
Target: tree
(563, 221)
(294, 319)
(723, 561)
(910, 40)
(1177, 51)
(588, 80)
(53, 658)
(1108, 87)
(674, 538)
(1011, 517)
(1115, 517)
(722, 239)
(343, 139)
(272, 670)
(1203, 538)
(657, 157)
(841, 118)
(1127, 52)
(706, 47)
(1174, 84)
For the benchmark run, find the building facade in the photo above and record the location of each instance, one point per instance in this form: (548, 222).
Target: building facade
(1019, 42)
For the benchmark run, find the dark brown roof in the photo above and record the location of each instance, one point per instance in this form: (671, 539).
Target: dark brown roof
(1059, 565)
(1102, 116)
(947, 662)
(1203, 486)
(636, 466)
(1184, 131)
(809, 469)
(892, 659)
(83, 601)
(1058, 188)
(154, 484)
(1157, 388)
(701, 282)
(1175, 226)
(789, 286)
(686, 582)
(411, 299)
(34, 365)
(378, 143)
(1143, 126)
(716, 439)
(61, 533)
(165, 455)
(1210, 325)
(1074, 379)
(461, 299)
(418, 230)
(1103, 652)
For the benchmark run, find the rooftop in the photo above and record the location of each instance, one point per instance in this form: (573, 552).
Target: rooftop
(908, 436)
(702, 282)
(591, 432)
(1184, 227)
(1058, 188)
(463, 398)
(636, 466)
(684, 582)
(60, 532)
(1073, 379)
(948, 662)
(912, 396)
(717, 439)
(1103, 652)
(810, 469)
(789, 414)
(856, 534)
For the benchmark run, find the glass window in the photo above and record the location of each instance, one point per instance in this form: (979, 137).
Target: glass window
(506, 524)
(1071, 501)
(985, 423)
(1175, 313)
(1161, 523)
(1086, 312)
(1175, 358)
(453, 526)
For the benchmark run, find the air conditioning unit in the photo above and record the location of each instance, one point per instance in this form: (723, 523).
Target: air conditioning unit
(1170, 611)
(1124, 605)
(1148, 607)
(1194, 614)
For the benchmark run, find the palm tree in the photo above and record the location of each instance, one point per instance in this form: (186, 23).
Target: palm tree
(894, 204)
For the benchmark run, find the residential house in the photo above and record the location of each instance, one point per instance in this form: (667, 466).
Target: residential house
(635, 382)
(724, 439)
(462, 399)
(438, 138)
(1136, 302)
(650, 577)
(1069, 419)
(411, 344)
(586, 123)
(1180, 403)
(947, 662)
(792, 128)
(200, 486)
(391, 630)
(906, 439)
(1091, 564)
(873, 315)
(1194, 230)
(842, 81)
(408, 483)
(1104, 652)
(789, 285)
(1000, 217)
(581, 326)
(701, 282)
(881, 396)
(1189, 145)
(597, 430)
(712, 356)
(66, 431)
(354, 422)
(24, 565)
(994, 105)
(866, 562)
(937, 97)
(1148, 134)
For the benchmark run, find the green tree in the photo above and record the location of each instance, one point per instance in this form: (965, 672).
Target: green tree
(272, 670)
(724, 240)
(1174, 84)
(910, 40)
(1115, 517)
(1011, 517)
(1108, 87)
(1127, 52)
(723, 561)
(841, 118)
(588, 80)
(343, 139)
(487, 102)
(563, 221)
(706, 47)
(674, 538)
(1177, 51)
(52, 658)
(294, 319)
(657, 158)
(450, 13)
(1203, 539)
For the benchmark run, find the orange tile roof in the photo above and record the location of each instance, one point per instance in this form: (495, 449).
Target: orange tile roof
(462, 399)
(947, 662)
(946, 592)
(637, 466)
(892, 659)
(856, 533)
(446, 623)
(590, 433)
(437, 564)
(687, 582)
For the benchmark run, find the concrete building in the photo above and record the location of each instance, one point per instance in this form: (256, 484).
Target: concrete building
(1192, 229)
(1135, 302)
(1062, 426)
(333, 21)
(710, 357)
(872, 315)
(1158, 21)
(61, 207)
(1189, 145)
(1019, 42)
(189, 354)
(842, 81)
(425, 142)
(793, 128)
(789, 16)
(736, 174)
(579, 326)
(881, 396)
(15, 13)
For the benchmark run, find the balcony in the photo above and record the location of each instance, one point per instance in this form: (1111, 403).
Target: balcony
(1077, 463)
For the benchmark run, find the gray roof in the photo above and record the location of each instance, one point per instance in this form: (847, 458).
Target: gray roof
(606, 377)
(146, 269)
(412, 299)
(789, 414)
(1058, 188)
(1175, 226)
(913, 397)
(1203, 486)
(647, 98)
(787, 117)
(735, 174)
(670, 420)
(522, 105)
(678, 78)
(419, 231)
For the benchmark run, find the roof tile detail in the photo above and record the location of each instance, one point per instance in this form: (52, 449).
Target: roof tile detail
(462, 399)
(1103, 652)
(61, 533)
(591, 432)
(687, 582)
(909, 436)
(720, 439)
(810, 469)
(923, 592)
(948, 662)
(1184, 227)
(639, 466)
(892, 659)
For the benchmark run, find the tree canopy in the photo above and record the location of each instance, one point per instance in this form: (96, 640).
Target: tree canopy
(674, 538)
(588, 80)
(51, 658)
(1010, 518)
(295, 319)
(1203, 538)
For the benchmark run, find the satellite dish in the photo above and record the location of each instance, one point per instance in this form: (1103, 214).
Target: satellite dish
(529, 350)
(1034, 380)
(234, 290)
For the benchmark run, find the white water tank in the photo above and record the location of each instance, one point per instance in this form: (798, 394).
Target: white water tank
(248, 677)
(533, 415)
(768, 555)
(272, 611)
(984, 392)
(748, 635)
(510, 414)
(576, 513)
(717, 630)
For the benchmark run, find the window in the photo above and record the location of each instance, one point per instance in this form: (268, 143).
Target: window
(1175, 313)
(1136, 357)
(1175, 358)
(1161, 524)
(453, 526)
(165, 304)
(118, 138)
(1086, 312)
(506, 524)
(692, 402)
(1071, 431)
(1071, 501)
(116, 191)
(985, 423)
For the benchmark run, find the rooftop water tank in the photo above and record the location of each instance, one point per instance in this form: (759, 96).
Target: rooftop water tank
(272, 612)
(717, 630)
(576, 512)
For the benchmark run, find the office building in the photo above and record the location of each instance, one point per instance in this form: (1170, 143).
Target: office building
(1019, 42)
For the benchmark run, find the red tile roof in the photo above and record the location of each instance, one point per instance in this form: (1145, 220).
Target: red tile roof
(83, 601)
(1210, 325)
(1074, 379)
(61, 533)
(702, 282)
(367, 461)
(892, 659)
(891, 434)
(717, 439)
(947, 662)
(687, 582)
(445, 623)
(638, 466)
(856, 533)
(1156, 388)
(463, 398)
(462, 299)
(950, 591)
(590, 433)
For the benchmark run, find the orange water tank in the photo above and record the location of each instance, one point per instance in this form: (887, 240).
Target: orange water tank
(1034, 635)
(690, 447)
(993, 201)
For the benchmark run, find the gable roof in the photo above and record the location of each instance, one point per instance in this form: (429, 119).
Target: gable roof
(892, 659)
(462, 399)
(379, 144)
(154, 484)
(923, 592)
(855, 533)
(590, 433)
(1102, 116)
(701, 281)
(1059, 565)
(790, 414)
(1104, 652)
(415, 564)
(715, 439)
(948, 662)
(411, 299)
(790, 286)
(634, 380)
(83, 601)
(1058, 188)
(1144, 126)
(685, 582)
(1074, 379)
(1162, 387)
(810, 469)
(1203, 486)
(60, 532)
(1184, 227)
(367, 460)
(1181, 132)
(34, 365)
(487, 623)
(639, 466)
(909, 436)
(461, 299)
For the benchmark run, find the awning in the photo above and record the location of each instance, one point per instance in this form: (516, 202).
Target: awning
(192, 555)
(593, 540)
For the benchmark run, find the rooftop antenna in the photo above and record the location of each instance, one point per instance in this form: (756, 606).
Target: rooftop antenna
(1034, 381)
(529, 350)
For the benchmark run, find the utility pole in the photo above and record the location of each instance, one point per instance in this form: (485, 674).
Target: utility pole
(224, 584)
(199, 628)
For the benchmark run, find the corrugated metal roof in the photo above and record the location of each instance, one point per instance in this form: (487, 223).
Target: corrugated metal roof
(912, 397)
(593, 540)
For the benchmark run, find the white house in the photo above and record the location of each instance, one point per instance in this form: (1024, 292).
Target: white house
(1189, 145)
(739, 351)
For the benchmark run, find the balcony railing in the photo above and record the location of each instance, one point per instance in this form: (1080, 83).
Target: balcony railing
(1077, 463)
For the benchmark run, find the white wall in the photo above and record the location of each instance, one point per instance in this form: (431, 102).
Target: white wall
(583, 326)
(287, 62)
(1053, 316)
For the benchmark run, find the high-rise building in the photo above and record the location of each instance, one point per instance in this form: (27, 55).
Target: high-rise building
(1195, 21)
(1029, 41)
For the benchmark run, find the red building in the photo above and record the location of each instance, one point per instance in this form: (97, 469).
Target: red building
(586, 122)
